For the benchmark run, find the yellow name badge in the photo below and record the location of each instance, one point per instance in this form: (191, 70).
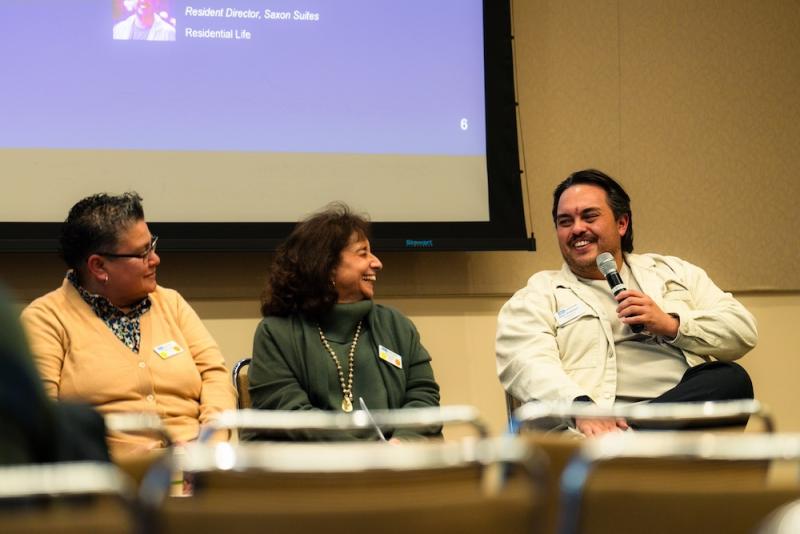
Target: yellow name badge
(390, 357)
(168, 350)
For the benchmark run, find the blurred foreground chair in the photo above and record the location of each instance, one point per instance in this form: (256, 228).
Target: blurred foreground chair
(137, 465)
(242, 383)
(322, 422)
(534, 419)
(421, 487)
(70, 498)
(682, 415)
(668, 482)
(784, 520)
(512, 404)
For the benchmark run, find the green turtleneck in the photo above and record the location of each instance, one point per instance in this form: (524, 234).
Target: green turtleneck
(292, 370)
(339, 327)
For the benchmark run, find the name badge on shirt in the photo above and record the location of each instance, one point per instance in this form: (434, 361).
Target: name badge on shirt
(390, 357)
(168, 350)
(565, 315)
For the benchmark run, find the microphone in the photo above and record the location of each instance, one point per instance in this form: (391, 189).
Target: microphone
(607, 266)
(371, 419)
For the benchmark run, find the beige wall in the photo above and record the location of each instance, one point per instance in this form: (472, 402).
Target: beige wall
(693, 104)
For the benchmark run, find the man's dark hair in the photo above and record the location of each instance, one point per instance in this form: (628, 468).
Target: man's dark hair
(300, 279)
(618, 199)
(95, 224)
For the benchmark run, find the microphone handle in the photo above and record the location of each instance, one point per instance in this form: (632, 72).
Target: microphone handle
(615, 283)
(618, 286)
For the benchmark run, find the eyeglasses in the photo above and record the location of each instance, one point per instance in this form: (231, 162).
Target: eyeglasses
(143, 256)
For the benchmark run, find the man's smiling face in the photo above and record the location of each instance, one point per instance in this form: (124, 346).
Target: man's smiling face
(586, 227)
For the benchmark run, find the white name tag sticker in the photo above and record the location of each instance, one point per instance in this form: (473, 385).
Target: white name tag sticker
(565, 315)
(390, 357)
(168, 350)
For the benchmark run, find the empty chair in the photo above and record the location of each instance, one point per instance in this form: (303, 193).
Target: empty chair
(60, 498)
(667, 482)
(558, 448)
(321, 424)
(242, 383)
(422, 487)
(531, 418)
(683, 415)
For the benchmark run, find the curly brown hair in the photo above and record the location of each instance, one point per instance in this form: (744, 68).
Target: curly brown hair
(301, 276)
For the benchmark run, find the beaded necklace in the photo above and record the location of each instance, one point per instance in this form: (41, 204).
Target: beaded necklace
(347, 388)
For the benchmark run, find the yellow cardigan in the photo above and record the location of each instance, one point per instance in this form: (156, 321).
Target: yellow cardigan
(79, 357)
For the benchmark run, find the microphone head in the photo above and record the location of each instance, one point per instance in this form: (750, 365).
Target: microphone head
(606, 263)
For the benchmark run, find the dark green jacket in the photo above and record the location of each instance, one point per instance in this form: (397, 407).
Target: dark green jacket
(292, 371)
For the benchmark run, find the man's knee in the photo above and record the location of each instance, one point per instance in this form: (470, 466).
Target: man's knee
(730, 380)
(740, 380)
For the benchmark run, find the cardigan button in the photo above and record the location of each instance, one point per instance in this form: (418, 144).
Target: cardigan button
(151, 398)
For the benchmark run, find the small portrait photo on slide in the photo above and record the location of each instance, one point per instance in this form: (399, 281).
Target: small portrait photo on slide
(143, 20)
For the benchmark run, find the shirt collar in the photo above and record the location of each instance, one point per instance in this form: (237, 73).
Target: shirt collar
(340, 322)
(101, 305)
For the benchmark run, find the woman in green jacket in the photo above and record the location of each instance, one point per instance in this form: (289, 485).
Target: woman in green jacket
(323, 342)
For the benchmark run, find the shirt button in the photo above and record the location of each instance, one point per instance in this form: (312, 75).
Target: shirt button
(607, 395)
(142, 365)
(151, 398)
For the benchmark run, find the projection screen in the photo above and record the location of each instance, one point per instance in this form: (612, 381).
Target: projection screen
(233, 119)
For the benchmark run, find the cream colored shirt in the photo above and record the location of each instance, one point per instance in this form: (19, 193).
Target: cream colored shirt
(555, 343)
(645, 368)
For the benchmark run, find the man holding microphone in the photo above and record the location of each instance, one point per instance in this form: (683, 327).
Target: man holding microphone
(666, 333)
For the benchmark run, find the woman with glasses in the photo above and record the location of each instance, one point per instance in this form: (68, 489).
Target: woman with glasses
(112, 337)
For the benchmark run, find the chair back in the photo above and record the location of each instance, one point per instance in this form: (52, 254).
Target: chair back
(65, 498)
(559, 448)
(147, 423)
(425, 487)
(136, 465)
(674, 482)
(242, 383)
(322, 422)
(680, 415)
(534, 420)
(512, 403)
